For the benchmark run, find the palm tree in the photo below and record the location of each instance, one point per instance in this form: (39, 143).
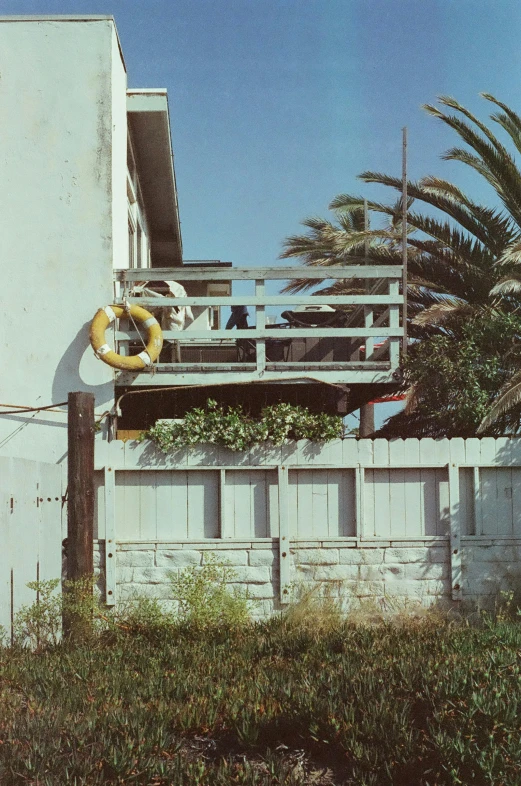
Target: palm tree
(464, 257)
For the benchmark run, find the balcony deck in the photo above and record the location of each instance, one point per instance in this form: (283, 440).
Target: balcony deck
(364, 350)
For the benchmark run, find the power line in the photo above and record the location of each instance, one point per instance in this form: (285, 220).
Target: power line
(20, 409)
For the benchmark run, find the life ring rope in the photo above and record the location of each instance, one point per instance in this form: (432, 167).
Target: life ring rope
(105, 317)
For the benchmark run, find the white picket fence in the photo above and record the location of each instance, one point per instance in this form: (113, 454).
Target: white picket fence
(366, 491)
(30, 531)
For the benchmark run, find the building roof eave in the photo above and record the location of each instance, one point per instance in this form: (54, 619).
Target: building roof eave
(149, 122)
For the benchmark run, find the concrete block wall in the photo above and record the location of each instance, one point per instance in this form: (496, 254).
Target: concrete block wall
(490, 568)
(397, 575)
(393, 575)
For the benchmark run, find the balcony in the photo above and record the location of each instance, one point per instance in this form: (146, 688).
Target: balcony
(358, 341)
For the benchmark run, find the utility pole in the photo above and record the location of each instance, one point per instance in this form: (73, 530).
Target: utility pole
(80, 508)
(367, 410)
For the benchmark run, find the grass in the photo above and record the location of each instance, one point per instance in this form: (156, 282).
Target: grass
(280, 702)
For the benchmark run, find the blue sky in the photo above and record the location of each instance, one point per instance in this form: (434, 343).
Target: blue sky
(277, 105)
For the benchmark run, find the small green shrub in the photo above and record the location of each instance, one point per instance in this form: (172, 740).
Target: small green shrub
(232, 428)
(205, 598)
(40, 623)
(141, 616)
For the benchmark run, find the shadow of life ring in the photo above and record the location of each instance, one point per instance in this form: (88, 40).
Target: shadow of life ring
(105, 316)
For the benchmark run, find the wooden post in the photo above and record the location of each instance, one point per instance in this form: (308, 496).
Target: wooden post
(80, 518)
(455, 532)
(284, 536)
(80, 530)
(367, 410)
(260, 324)
(366, 420)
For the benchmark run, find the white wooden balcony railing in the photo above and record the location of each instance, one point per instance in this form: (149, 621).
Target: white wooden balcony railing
(364, 349)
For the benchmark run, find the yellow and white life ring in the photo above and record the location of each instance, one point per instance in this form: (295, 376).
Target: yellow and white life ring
(105, 316)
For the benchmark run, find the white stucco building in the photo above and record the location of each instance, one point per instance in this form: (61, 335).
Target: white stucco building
(89, 199)
(87, 186)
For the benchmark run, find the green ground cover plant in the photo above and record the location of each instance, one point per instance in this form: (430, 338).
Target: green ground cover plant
(424, 701)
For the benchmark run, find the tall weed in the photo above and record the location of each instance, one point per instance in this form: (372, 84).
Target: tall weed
(205, 599)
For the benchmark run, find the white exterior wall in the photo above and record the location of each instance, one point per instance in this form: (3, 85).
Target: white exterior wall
(63, 217)
(119, 156)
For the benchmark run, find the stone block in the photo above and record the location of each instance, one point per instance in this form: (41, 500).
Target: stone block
(405, 588)
(378, 572)
(134, 591)
(302, 572)
(367, 589)
(262, 609)
(484, 586)
(361, 556)
(177, 559)
(485, 570)
(316, 556)
(336, 573)
(427, 570)
(304, 589)
(231, 557)
(256, 591)
(246, 574)
(439, 554)
(135, 559)
(406, 555)
(493, 553)
(124, 575)
(513, 570)
(262, 558)
(152, 575)
(440, 588)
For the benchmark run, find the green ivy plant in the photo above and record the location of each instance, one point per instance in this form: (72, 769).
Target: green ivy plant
(232, 428)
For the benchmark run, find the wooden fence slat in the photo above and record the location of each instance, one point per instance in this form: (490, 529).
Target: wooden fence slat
(350, 452)
(365, 451)
(505, 513)
(478, 507)
(381, 451)
(472, 450)
(164, 507)
(488, 450)
(457, 450)
(360, 492)
(488, 492)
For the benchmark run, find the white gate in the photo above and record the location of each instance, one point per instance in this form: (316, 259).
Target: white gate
(30, 531)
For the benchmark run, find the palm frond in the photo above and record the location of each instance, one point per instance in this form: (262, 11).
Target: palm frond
(510, 121)
(510, 398)
(507, 286)
(443, 312)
